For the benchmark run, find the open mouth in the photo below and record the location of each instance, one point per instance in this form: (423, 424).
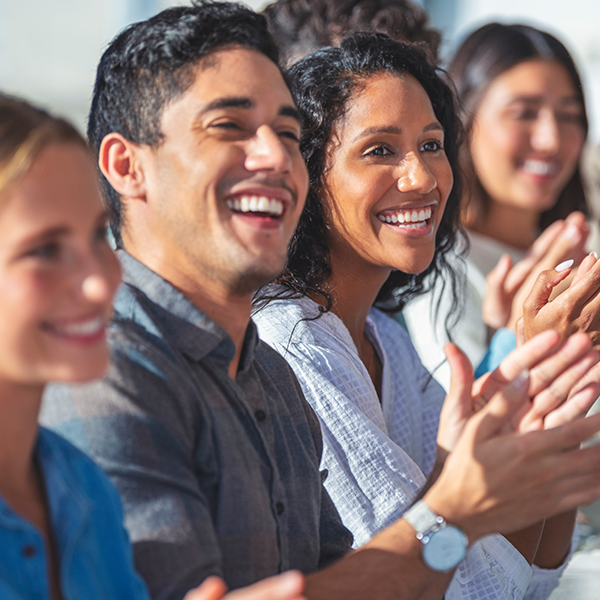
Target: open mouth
(81, 330)
(260, 206)
(540, 168)
(407, 219)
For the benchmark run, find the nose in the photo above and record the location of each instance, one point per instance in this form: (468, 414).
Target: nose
(266, 152)
(415, 175)
(545, 135)
(96, 288)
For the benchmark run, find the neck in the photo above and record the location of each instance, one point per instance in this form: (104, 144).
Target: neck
(353, 290)
(228, 309)
(20, 407)
(510, 225)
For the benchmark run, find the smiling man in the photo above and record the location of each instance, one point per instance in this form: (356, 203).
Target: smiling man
(201, 426)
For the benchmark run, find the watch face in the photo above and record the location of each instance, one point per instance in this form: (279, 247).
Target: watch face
(445, 549)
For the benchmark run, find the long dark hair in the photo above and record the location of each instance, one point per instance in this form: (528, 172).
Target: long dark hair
(323, 85)
(484, 55)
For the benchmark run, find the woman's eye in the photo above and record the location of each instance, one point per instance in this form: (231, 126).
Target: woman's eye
(433, 146)
(292, 135)
(46, 251)
(379, 151)
(569, 117)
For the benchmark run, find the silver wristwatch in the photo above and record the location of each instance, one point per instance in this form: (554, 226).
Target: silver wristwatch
(444, 546)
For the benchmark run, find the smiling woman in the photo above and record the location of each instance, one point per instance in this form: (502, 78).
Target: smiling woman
(524, 113)
(381, 139)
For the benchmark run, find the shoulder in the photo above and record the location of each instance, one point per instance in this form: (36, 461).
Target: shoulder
(89, 477)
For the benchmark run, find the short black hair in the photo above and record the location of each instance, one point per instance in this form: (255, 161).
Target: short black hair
(151, 64)
(484, 55)
(303, 26)
(323, 85)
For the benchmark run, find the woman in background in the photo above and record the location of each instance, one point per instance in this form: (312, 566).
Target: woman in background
(381, 139)
(524, 113)
(61, 531)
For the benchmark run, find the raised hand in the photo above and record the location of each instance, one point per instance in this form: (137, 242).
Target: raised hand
(509, 285)
(500, 480)
(575, 310)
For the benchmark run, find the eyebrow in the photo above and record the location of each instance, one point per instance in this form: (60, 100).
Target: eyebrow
(246, 104)
(394, 130)
(540, 99)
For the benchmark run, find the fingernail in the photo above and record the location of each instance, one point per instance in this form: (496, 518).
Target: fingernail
(567, 264)
(594, 254)
(521, 381)
(572, 233)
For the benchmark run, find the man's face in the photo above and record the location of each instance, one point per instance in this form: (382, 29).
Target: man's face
(227, 184)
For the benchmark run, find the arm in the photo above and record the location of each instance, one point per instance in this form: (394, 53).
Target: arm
(492, 481)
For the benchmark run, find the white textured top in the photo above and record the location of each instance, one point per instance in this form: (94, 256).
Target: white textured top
(426, 321)
(378, 455)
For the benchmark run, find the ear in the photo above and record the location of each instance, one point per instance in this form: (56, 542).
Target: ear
(121, 162)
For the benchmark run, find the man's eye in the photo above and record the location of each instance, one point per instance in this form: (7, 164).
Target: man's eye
(226, 125)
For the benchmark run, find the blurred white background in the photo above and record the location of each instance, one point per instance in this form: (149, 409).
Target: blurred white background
(49, 49)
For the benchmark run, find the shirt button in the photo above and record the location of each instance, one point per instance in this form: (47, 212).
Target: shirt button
(29, 551)
(279, 507)
(260, 415)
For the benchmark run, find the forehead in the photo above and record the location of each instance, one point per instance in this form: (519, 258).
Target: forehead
(238, 72)
(388, 99)
(533, 78)
(59, 187)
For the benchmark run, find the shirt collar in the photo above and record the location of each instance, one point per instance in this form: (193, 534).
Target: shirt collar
(190, 330)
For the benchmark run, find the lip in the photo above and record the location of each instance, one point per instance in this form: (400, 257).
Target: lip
(84, 330)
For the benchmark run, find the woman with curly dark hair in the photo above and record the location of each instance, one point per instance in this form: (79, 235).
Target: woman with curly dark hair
(381, 140)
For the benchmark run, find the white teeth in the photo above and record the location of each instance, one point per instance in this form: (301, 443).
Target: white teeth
(260, 204)
(86, 328)
(540, 167)
(414, 219)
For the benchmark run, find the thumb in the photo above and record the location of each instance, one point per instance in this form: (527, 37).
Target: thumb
(212, 588)
(505, 405)
(461, 369)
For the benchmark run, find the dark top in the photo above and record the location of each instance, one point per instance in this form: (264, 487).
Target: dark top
(216, 476)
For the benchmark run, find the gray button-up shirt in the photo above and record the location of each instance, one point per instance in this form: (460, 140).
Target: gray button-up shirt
(216, 476)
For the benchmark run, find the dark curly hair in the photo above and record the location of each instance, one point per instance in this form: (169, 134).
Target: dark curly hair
(323, 85)
(151, 64)
(303, 26)
(484, 55)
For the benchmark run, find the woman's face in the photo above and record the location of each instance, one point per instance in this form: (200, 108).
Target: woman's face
(387, 179)
(528, 135)
(57, 271)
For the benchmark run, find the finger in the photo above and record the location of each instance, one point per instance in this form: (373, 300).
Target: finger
(498, 274)
(552, 397)
(287, 586)
(212, 588)
(576, 406)
(461, 369)
(567, 437)
(538, 250)
(520, 331)
(586, 264)
(586, 287)
(524, 358)
(544, 374)
(503, 407)
(544, 285)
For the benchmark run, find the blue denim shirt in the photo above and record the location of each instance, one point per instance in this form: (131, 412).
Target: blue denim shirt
(217, 476)
(87, 522)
